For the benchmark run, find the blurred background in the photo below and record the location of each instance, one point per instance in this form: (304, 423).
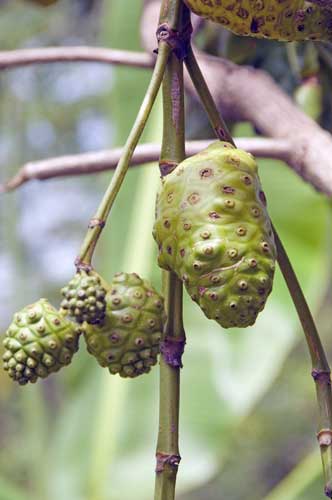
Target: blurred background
(248, 411)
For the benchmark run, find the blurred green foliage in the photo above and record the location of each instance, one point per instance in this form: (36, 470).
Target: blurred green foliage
(248, 404)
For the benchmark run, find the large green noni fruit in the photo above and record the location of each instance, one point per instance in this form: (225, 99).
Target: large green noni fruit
(285, 20)
(213, 231)
(127, 341)
(39, 342)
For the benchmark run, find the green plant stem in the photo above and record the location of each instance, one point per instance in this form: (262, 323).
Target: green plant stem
(98, 221)
(216, 120)
(168, 455)
(320, 367)
(173, 13)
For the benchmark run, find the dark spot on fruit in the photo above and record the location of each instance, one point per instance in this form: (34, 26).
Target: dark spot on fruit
(254, 26)
(208, 250)
(214, 215)
(232, 252)
(182, 252)
(167, 223)
(193, 198)
(300, 27)
(247, 180)
(205, 235)
(206, 172)
(242, 13)
(241, 231)
(228, 189)
(169, 250)
(265, 246)
(186, 226)
(229, 203)
(243, 285)
(213, 296)
(115, 338)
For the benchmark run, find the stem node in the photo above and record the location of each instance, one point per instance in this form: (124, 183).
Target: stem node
(164, 459)
(172, 349)
(178, 40)
(324, 437)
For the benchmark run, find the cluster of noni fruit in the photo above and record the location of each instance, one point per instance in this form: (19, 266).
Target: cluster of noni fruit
(212, 230)
(122, 324)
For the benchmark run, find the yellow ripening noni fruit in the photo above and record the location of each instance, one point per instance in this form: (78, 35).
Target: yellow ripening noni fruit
(284, 20)
(213, 231)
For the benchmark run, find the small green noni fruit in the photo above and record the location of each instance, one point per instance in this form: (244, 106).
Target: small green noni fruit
(84, 297)
(213, 231)
(284, 20)
(39, 342)
(127, 342)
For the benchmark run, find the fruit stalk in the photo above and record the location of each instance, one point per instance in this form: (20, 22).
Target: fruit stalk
(320, 368)
(99, 220)
(173, 17)
(216, 120)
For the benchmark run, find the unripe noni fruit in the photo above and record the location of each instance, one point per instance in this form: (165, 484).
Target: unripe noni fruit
(286, 20)
(84, 297)
(39, 342)
(127, 342)
(213, 231)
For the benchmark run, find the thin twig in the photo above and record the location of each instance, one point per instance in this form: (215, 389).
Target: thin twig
(320, 368)
(218, 124)
(25, 57)
(99, 220)
(92, 163)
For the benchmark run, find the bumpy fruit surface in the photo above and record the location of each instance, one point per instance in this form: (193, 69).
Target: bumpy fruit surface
(286, 20)
(38, 342)
(84, 298)
(213, 230)
(128, 340)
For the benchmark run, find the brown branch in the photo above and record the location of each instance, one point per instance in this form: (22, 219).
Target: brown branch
(25, 57)
(91, 163)
(246, 94)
